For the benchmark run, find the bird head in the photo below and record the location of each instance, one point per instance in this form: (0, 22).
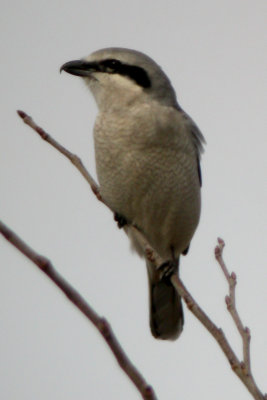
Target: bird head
(118, 77)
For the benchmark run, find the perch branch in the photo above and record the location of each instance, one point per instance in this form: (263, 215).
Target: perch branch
(76, 161)
(220, 338)
(100, 323)
(242, 369)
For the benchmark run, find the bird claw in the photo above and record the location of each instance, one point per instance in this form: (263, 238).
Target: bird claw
(167, 269)
(121, 221)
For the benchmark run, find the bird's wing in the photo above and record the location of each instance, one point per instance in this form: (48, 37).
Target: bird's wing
(197, 139)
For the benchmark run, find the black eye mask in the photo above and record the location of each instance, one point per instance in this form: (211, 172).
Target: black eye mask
(137, 74)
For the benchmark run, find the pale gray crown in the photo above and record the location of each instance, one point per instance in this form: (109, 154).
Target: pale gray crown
(135, 65)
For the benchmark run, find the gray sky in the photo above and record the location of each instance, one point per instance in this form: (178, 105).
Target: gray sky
(213, 52)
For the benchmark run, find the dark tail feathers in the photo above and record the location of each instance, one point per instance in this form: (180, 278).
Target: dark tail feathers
(166, 312)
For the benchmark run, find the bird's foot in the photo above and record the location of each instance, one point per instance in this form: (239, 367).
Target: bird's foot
(120, 219)
(167, 269)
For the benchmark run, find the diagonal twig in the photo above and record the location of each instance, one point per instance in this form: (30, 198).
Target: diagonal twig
(219, 336)
(76, 161)
(100, 323)
(242, 369)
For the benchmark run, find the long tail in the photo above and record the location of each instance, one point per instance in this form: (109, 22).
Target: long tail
(166, 311)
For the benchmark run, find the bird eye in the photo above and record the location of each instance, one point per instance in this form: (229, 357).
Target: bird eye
(111, 64)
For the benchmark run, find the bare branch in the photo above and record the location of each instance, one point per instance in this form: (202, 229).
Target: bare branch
(231, 305)
(220, 338)
(244, 332)
(100, 323)
(241, 368)
(76, 161)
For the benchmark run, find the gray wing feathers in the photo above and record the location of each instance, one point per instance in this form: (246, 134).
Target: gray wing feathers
(198, 141)
(197, 137)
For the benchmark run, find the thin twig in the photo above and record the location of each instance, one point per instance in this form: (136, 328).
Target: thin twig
(245, 364)
(100, 323)
(76, 161)
(242, 369)
(231, 306)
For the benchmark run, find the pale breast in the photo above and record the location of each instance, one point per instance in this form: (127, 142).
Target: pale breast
(147, 170)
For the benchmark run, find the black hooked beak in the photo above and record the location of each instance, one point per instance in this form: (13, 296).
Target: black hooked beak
(79, 67)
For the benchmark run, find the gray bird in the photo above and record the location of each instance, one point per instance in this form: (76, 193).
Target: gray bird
(147, 153)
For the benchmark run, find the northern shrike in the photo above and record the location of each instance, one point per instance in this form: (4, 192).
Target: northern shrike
(147, 158)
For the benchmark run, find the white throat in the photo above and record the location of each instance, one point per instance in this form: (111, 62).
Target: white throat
(113, 92)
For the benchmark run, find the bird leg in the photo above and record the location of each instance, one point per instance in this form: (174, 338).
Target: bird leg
(120, 219)
(167, 269)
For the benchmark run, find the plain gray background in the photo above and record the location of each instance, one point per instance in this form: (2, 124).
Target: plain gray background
(213, 52)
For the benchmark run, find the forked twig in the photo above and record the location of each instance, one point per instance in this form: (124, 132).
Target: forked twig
(219, 336)
(242, 369)
(231, 306)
